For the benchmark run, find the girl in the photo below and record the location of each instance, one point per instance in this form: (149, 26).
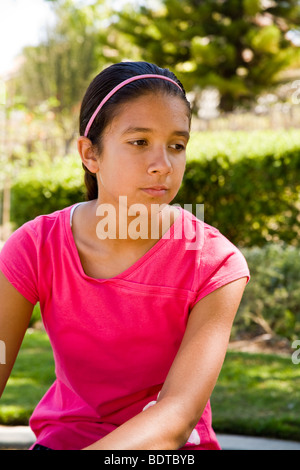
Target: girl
(139, 325)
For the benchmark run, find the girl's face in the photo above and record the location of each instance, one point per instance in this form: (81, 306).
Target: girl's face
(143, 148)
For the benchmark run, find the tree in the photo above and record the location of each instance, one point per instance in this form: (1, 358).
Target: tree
(57, 71)
(236, 46)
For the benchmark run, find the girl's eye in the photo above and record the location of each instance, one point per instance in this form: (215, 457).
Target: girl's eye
(139, 142)
(178, 147)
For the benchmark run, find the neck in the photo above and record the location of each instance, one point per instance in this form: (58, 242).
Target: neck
(136, 224)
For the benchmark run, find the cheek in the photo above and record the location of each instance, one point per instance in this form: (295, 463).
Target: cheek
(179, 167)
(121, 178)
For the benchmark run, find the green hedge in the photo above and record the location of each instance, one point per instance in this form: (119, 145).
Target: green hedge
(45, 189)
(271, 301)
(248, 182)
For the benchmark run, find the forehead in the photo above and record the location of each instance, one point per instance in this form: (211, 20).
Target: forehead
(153, 111)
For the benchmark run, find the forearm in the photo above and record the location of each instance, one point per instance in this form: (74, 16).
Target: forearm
(167, 425)
(161, 427)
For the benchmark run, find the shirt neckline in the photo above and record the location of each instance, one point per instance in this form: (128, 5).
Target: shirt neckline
(169, 235)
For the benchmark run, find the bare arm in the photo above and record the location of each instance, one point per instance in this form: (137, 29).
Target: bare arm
(15, 313)
(191, 379)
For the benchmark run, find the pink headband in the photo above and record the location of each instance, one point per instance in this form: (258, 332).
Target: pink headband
(113, 91)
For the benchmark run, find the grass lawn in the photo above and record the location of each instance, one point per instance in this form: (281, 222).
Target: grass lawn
(32, 375)
(256, 394)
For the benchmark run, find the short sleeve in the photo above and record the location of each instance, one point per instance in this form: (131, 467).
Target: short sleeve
(18, 261)
(221, 262)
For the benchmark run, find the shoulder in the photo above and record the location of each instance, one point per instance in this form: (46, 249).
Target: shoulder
(35, 231)
(209, 239)
(45, 222)
(58, 216)
(217, 261)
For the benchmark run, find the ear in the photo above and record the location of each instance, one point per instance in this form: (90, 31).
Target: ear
(88, 154)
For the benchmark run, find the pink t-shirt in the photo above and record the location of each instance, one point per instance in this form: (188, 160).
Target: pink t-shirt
(114, 340)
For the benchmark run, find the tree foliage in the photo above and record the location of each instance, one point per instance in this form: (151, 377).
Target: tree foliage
(237, 46)
(58, 70)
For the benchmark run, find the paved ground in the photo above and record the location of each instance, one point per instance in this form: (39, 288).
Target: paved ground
(231, 442)
(21, 437)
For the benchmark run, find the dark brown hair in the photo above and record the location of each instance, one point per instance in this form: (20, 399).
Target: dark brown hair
(102, 84)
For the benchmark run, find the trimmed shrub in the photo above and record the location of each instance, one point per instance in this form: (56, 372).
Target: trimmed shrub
(248, 182)
(45, 189)
(271, 301)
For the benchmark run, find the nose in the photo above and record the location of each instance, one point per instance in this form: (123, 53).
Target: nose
(160, 162)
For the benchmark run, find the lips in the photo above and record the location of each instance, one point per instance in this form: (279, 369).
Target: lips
(156, 190)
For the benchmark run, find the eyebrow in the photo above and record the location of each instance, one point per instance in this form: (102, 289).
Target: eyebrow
(132, 129)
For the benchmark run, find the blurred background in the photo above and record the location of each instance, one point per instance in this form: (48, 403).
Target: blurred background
(239, 61)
